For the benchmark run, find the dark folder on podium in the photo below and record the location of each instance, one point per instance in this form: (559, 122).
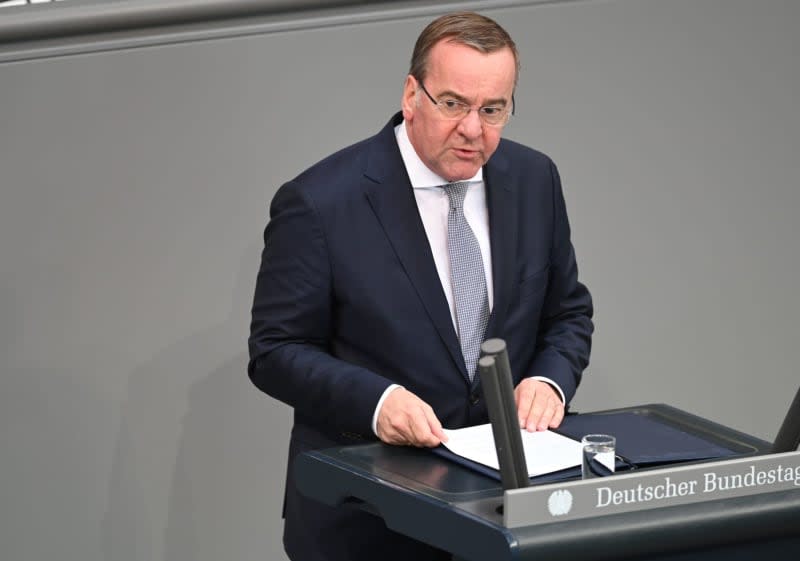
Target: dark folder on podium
(642, 440)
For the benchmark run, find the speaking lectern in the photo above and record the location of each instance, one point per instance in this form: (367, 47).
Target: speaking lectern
(734, 509)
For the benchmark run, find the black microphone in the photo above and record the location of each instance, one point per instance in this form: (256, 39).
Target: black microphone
(495, 375)
(788, 438)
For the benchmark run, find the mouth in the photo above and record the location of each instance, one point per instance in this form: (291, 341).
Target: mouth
(466, 153)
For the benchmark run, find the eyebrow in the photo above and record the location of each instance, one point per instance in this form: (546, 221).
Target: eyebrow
(489, 103)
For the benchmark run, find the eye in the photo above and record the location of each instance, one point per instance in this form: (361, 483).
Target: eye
(451, 104)
(491, 111)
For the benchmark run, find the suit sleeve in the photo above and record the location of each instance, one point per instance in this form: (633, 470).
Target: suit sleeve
(292, 319)
(563, 343)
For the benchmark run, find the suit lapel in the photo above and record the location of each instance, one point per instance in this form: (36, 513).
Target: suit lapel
(500, 202)
(391, 197)
(503, 231)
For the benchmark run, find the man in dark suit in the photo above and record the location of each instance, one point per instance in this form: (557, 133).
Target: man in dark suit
(356, 316)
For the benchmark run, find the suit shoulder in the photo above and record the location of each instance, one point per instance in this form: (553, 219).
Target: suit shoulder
(521, 155)
(525, 165)
(344, 163)
(328, 182)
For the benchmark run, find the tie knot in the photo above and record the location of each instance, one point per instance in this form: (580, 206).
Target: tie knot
(456, 193)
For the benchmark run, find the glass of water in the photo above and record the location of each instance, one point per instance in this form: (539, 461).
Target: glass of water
(599, 455)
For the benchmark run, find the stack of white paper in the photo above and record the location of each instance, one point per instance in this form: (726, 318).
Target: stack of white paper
(545, 451)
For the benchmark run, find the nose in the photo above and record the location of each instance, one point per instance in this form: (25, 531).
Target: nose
(471, 125)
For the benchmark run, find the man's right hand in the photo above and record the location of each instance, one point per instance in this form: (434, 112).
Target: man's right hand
(404, 419)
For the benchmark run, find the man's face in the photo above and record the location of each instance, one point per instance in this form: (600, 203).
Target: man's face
(455, 150)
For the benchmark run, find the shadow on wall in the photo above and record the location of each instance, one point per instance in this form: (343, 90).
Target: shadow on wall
(201, 454)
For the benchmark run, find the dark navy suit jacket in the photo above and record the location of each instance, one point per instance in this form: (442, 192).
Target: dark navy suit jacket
(348, 301)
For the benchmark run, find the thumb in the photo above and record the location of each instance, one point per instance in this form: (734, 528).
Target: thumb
(435, 425)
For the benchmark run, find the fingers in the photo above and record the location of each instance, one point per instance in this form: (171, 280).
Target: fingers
(434, 425)
(539, 407)
(405, 419)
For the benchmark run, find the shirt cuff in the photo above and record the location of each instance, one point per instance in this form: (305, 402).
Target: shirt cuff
(380, 404)
(552, 383)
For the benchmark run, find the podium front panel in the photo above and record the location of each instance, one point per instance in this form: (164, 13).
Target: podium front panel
(459, 510)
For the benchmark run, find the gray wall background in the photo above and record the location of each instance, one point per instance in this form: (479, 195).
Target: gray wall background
(135, 175)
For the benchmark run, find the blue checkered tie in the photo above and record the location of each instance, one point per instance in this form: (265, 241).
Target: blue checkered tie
(467, 277)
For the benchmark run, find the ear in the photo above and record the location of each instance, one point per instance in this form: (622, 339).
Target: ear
(409, 100)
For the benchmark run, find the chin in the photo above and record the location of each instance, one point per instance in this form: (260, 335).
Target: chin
(463, 175)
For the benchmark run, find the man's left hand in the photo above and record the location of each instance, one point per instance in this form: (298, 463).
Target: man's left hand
(539, 406)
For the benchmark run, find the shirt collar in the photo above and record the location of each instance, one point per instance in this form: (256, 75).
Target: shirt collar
(419, 174)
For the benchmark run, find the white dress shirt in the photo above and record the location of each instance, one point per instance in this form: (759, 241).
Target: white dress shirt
(433, 205)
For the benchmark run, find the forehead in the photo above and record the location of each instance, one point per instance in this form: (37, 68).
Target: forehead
(470, 72)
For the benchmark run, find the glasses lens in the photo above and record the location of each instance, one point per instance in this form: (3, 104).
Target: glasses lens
(452, 109)
(494, 115)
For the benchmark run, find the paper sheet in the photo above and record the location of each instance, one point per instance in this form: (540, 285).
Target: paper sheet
(545, 451)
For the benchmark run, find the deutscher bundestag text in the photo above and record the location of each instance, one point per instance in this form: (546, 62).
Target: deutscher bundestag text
(711, 482)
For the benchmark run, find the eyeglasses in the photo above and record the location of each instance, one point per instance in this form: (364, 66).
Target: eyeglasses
(454, 110)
